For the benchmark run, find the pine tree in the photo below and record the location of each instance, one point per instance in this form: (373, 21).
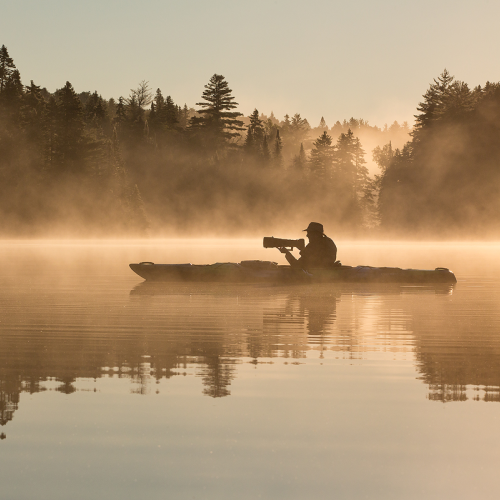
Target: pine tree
(345, 163)
(255, 135)
(7, 66)
(70, 127)
(322, 157)
(11, 98)
(266, 154)
(278, 147)
(171, 115)
(33, 112)
(383, 157)
(95, 111)
(351, 176)
(156, 116)
(184, 117)
(434, 99)
(296, 133)
(121, 113)
(361, 172)
(285, 126)
(52, 159)
(322, 123)
(216, 123)
(300, 161)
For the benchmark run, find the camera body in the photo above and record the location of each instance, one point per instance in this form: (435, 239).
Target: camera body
(272, 242)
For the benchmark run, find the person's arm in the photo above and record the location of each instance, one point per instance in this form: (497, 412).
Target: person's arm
(290, 258)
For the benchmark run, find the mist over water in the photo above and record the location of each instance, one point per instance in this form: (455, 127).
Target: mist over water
(78, 165)
(218, 390)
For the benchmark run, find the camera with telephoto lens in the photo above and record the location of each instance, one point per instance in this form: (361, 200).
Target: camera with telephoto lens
(272, 242)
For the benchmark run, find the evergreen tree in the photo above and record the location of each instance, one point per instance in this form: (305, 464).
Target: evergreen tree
(277, 156)
(300, 161)
(11, 98)
(322, 123)
(156, 117)
(96, 111)
(322, 157)
(184, 117)
(286, 125)
(217, 124)
(70, 126)
(52, 158)
(345, 163)
(121, 113)
(171, 115)
(33, 114)
(432, 105)
(383, 157)
(352, 177)
(266, 154)
(361, 172)
(270, 128)
(294, 134)
(111, 109)
(7, 66)
(255, 135)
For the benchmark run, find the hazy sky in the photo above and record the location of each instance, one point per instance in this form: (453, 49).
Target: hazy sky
(367, 59)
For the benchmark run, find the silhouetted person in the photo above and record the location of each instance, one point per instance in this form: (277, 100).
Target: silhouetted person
(320, 252)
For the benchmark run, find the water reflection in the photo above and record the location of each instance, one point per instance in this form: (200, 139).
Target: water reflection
(160, 331)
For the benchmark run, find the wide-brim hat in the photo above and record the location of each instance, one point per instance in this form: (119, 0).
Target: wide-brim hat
(314, 227)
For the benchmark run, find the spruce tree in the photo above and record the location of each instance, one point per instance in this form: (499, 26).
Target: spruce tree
(156, 116)
(255, 135)
(121, 113)
(184, 117)
(322, 157)
(171, 115)
(361, 172)
(7, 66)
(266, 154)
(383, 156)
(286, 124)
(71, 125)
(299, 161)
(11, 98)
(345, 163)
(52, 157)
(278, 147)
(95, 111)
(33, 112)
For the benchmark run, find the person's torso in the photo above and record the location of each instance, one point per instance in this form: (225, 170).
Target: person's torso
(319, 253)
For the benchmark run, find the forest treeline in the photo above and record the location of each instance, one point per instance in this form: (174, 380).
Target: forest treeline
(78, 164)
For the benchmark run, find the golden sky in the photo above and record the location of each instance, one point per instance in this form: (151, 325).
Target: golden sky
(337, 59)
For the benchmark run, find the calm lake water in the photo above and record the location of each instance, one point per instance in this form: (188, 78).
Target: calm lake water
(112, 388)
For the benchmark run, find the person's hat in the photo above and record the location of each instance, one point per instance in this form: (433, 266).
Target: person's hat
(315, 227)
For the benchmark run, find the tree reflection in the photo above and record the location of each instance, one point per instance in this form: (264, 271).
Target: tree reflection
(174, 331)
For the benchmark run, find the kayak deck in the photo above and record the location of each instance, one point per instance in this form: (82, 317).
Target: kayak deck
(262, 271)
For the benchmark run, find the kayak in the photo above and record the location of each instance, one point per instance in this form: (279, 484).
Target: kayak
(256, 271)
